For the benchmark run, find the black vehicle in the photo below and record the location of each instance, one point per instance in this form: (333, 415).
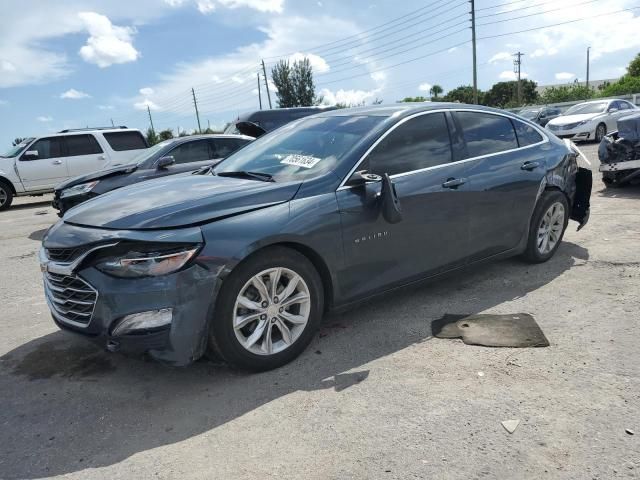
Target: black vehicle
(259, 122)
(540, 115)
(319, 214)
(178, 155)
(619, 153)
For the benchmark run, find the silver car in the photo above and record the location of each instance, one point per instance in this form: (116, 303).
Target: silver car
(590, 120)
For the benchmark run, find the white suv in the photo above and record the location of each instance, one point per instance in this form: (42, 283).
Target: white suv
(38, 164)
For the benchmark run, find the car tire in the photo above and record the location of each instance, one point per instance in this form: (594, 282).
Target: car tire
(601, 131)
(548, 224)
(6, 195)
(275, 332)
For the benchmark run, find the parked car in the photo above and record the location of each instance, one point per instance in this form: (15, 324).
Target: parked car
(170, 157)
(540, 115)
(590, 120)
(259, 122)
(619, 153)
(322, 213)
(38, 164)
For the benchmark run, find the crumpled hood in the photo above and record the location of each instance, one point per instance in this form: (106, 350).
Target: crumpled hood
(178, 201)
(567, 119)
(96, 176)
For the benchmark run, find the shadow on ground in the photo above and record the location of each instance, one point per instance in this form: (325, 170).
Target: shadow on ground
(38, 234)
(626, 191)
(40, 204)
(67, 406)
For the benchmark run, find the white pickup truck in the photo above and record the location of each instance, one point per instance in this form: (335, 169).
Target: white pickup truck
(38, 164)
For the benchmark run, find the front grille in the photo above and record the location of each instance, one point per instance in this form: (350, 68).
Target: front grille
(64, 254)
(70, 297)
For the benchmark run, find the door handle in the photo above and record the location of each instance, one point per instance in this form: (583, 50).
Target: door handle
(530, 166)
(101, 157)
(454, 182)
(57, 162)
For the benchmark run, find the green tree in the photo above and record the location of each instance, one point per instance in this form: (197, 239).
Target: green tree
(18, 141)
(435, 91)
(462, 94)
(626, 85)
(413, 99)
(152, 138)
(634, 67)
(566, 93)
(165, 134)
(294, 83)
(505, 94)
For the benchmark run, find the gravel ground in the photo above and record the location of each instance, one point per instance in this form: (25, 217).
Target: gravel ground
(375, 396)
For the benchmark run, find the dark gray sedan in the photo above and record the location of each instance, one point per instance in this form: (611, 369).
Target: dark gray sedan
(322, 213)
(177, 155)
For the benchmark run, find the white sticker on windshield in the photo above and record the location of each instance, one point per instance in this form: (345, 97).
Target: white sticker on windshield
(304, 161)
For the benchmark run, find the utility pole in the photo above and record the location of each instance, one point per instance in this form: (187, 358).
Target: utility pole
(517, 68)
(112, 124)
(259, 92)
(588, 48)
(195, 104)
(150, 119)
(473, 42)
(266, 83)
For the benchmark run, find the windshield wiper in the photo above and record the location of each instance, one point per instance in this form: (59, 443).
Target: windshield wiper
(265, 177)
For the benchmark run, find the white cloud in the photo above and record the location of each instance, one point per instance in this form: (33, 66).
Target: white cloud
(74, 94)
(105, 107)
(146, 91)
(107, 44)
(318, 64)
(500, 57)
(144, 104)
(565, 76)
(6, 66)
(379, 77)
(511, 75)
(425, 87)
(44, 118)
(347, 97)
(208, 6)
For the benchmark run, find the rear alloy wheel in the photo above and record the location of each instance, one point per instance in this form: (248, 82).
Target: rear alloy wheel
(548, 225)
(6, 196)
(267, 310)
(601, 131)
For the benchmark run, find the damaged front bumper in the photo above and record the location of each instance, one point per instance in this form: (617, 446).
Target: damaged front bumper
(166, 316)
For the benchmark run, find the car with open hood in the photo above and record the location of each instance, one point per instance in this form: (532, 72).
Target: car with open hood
(325, 212)
(177, 155)
(590, 120)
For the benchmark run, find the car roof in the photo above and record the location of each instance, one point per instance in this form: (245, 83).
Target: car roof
(212, 135)
(406, 109)
(84, 131)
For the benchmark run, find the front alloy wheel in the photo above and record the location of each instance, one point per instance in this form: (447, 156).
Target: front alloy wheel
(6, 196)
(551, 228)
(271, 311)
(601, 131)
(267, 310)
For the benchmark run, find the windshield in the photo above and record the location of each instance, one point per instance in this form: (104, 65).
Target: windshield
(148, 153)
(17, 149)
(581, 108)
(529, 114)
(302, 149)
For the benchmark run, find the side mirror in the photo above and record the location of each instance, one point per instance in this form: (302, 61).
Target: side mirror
(612, 110)
(361, 177)
(164, 162)
(30, 155)
(391, 209)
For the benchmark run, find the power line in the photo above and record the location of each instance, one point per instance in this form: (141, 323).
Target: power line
(559, 24)
(538, 13)
(501, 5)
(518, 9)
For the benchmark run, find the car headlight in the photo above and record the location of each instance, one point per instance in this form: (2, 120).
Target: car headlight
(78, 189)
(137, 264)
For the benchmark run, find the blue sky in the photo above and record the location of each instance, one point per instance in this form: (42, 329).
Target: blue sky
(85, 62)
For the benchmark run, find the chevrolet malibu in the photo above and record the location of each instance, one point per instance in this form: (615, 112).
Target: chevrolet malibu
(242, 262)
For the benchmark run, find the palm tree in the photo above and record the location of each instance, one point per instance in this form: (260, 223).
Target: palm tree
(435, 91)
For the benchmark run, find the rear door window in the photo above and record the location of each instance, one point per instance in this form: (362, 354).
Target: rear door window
(128, 140)
(82, 145)
(223, 147)
(48, 148)
(195, 151)
(418, 143)
(527, 135)
(486, 133)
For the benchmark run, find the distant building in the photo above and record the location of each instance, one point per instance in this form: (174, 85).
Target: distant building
(592, 83)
